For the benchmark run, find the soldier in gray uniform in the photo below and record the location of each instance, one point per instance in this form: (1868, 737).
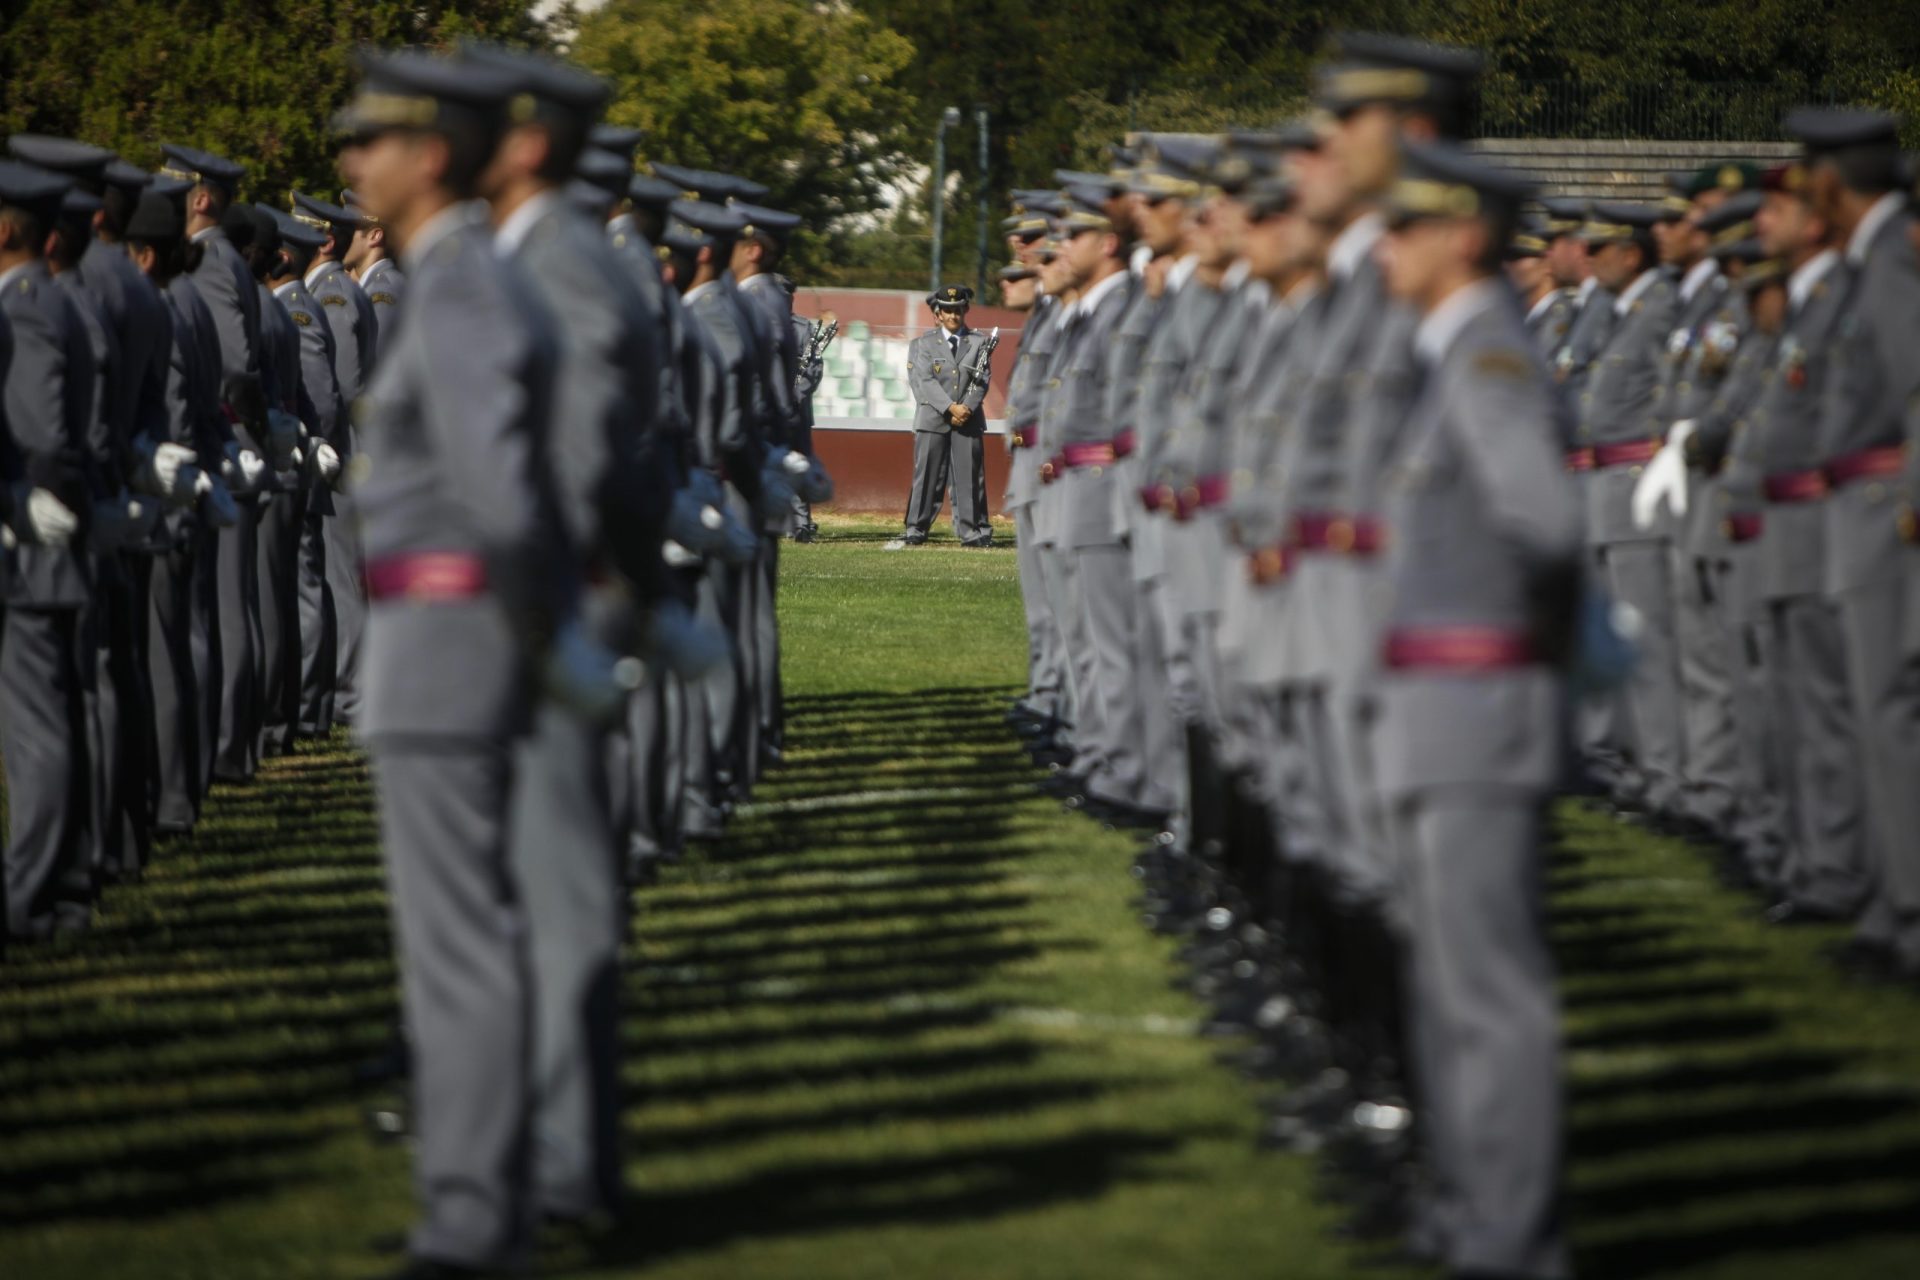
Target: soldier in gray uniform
(48, 404)
(471, 586)
(356, 329)
(132, 319)
(767, 302)
(1706, 329)
(1098, 626)
(283, 498)
(612, 488)
(323, 414)
(653, 766)
(1549, 307)
(1825, 873)
(1618, 432)
(727, 443)
(1867, 424)
(1020, 292)
(1469, 715)
(232, 301)
(374, 269)
(949, 384)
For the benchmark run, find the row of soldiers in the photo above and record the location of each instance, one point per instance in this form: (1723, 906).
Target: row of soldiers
(570, 451)
(1360, 504)
(181, 598)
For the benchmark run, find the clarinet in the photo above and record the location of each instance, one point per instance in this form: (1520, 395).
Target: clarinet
(985, 360)
(822, 337)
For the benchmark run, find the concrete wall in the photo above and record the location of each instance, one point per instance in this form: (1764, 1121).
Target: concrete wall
(1622, 170)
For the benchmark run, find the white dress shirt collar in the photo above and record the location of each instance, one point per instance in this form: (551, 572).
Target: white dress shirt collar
(433, 231)
(1876, 217)
(699, 290)
(520, 223)
(1697, 278)
(1091, 297)
(1808, 274)
(1443, 324)
(1351, 247)
(1633, 292)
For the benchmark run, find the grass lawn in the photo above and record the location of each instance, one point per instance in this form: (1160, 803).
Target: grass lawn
(902, 1023)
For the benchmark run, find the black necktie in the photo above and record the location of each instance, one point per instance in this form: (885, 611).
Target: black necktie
(953, 344)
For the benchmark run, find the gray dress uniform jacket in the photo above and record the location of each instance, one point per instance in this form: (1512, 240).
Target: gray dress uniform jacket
(934, 374)
(1480, 507)
(726, 433)
(320, 395)
(1024, 388)
(234, 303)
(607, 475)
(384, 285)
(1617, 408)
(671, 412)
(354, 324)
(1078, 416)
(1550, 321)
(1593, 323)
(1872, 400)
(49, 410)
(452, 460)
(135, 313)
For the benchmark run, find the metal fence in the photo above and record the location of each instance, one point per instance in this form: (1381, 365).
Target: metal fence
(1680, 111)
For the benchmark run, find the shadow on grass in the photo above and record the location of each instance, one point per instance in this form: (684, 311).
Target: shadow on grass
(1708, 1121)
(778, 942)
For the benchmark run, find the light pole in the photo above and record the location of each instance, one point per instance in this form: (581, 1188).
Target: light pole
(980, 281)
(949, 119)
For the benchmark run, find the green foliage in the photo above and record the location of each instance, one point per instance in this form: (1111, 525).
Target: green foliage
(254, 81)
(811, 100)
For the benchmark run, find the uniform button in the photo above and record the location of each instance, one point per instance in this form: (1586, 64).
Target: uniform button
(1633, 470)
(360, 468)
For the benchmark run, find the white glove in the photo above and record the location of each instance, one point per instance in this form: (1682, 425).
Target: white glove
(584, 675)
(50, 522)
(699, 527)
(678, 640)
(217, 502)
(808, 478)
(326, 460)
(1665, 479)
(120, 521)
(159, 474)
(677, 556)
(243, 469)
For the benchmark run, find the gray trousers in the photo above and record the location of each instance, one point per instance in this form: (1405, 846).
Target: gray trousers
(319, 631)
(463, 941)
(1043, 638)
(1101, 585)
(278, 572)
(240, 644)
(1640, 574)
(713, 706)
(209, 660)
(1484, 1026)
(938, 455)
(43, 749)
(1163, 729)
(566, 862)
(650, 786)
(1706, 687)
(766, 641)
(1056, 580)
(1885, 690)
(1827, 867)
(349, 605)
(173, 672)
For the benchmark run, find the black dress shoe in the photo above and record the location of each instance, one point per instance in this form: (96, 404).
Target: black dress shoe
(915, 539)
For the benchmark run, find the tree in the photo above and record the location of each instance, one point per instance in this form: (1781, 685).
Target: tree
(806, 98)
(256, 81)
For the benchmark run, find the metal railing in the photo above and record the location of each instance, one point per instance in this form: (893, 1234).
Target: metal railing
(1679, 111)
